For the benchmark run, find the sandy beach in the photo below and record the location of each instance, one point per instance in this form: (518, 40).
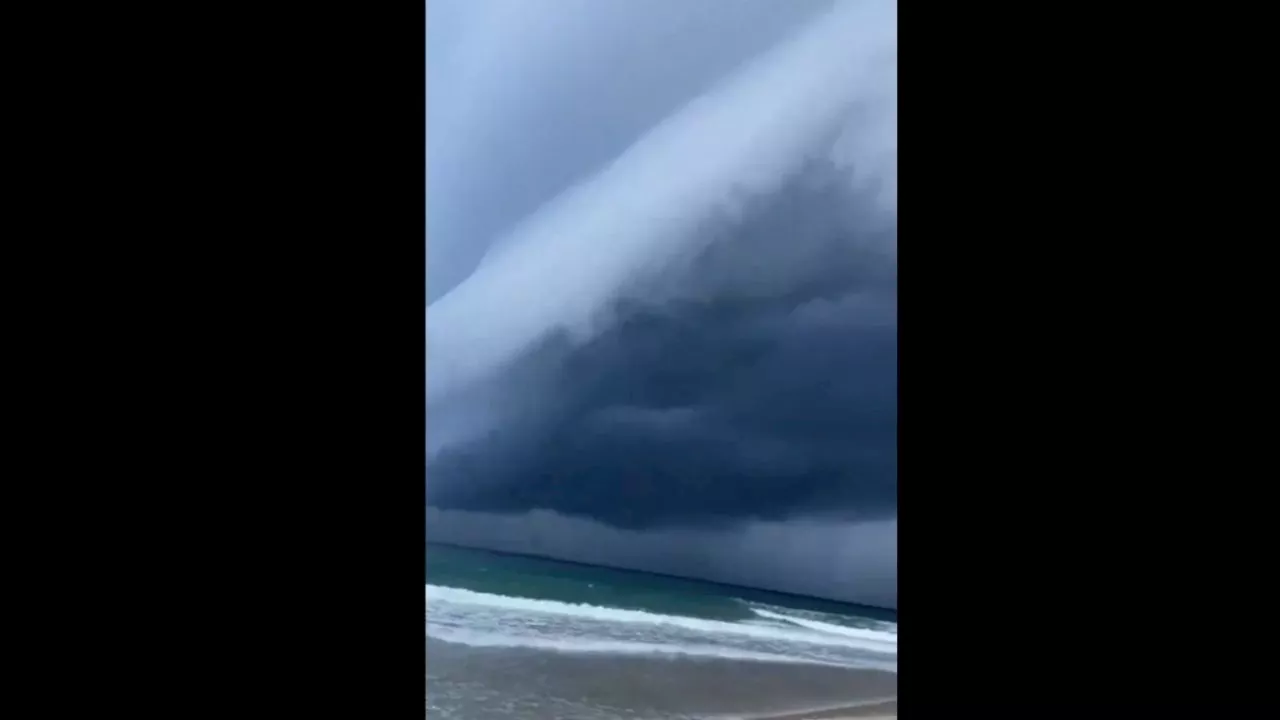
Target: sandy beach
(589, 643)
(483, 683)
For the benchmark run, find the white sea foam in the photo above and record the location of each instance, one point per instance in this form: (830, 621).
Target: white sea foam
(611, 647)
(830, 628)
(487, 620)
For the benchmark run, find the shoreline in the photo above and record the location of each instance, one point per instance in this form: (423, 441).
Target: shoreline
(871, 612)
(868, 710)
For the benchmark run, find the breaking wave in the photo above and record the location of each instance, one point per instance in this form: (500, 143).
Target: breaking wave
(478, 619)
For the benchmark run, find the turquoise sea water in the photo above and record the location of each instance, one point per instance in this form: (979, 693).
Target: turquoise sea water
(515, 636)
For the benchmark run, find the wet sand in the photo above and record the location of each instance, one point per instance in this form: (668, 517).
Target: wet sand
(482, 683)
(862, 711)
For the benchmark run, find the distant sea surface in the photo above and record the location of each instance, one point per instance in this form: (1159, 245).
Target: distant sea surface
(509, 636)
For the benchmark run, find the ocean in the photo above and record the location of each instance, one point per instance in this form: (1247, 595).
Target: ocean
(510, 636)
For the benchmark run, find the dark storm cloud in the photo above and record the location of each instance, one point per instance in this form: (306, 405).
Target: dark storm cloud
(664, 330)
(647, 207)
(728, 390)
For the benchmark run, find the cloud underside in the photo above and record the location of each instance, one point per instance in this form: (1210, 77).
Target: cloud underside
(842, 561)
(755, 381)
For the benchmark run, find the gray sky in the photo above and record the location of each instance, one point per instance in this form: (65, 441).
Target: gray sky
(527, 99)
(662, 274)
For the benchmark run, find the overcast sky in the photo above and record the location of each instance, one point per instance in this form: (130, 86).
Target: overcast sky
(662, 282)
